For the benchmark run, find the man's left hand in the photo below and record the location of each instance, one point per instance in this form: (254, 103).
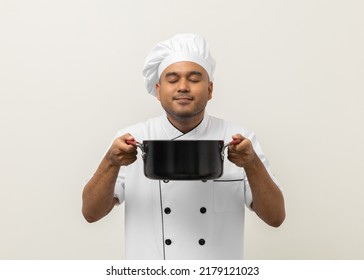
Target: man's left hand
(242, 154)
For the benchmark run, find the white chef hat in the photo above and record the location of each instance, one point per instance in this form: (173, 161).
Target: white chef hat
(181, 47)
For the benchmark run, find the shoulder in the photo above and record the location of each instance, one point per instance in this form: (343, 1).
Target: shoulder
(229, 127)
(141, 130)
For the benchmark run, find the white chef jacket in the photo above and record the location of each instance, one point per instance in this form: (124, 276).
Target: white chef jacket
(185, 219)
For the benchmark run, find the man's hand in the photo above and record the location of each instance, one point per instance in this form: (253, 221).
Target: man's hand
(268, 201)
(121, 153)
(242, 154)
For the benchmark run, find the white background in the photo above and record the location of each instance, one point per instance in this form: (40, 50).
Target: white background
(70, 77)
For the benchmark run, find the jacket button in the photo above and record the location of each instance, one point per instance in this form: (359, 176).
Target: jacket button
(203, 210)
(168, 241)
(201, 241)
(167, 210)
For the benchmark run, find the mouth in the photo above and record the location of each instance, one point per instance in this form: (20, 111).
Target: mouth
(183, 99)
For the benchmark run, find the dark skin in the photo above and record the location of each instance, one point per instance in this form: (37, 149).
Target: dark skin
(184, 90)
(268, 201)
(98, 195)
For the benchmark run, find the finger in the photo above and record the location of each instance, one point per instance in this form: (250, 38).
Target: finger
(238, 136)
(127, 137)
(237, 139)
(233, 153)
(126, 142)
(130, 141)
(234, 159)
(127, 158)
(131, 154)
(129, 161)
(235, 142)
(130, 149)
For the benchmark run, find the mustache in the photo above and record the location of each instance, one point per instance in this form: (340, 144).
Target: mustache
(183, 95)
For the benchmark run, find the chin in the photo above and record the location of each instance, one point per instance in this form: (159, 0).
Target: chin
(184, 115)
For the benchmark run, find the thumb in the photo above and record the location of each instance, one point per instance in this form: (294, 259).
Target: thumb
(238, 137)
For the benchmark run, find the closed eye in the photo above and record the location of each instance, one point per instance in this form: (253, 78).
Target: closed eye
(195, 79)
(172, 77)
(195, 76)
(172, 81)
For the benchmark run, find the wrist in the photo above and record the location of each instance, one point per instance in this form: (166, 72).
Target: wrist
(254, 164)
(110, 162)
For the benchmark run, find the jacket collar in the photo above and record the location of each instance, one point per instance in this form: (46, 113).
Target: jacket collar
(173, 133)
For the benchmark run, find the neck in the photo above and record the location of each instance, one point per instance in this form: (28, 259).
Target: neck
(185, 124)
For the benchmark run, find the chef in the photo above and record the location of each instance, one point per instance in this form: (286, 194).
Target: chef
(184, 219)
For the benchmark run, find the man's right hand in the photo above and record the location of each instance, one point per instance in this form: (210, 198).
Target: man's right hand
(122, 153)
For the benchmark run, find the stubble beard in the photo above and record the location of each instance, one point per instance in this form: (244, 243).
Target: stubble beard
(184, 117)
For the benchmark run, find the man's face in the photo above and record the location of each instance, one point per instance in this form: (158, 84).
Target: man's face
(184, 90)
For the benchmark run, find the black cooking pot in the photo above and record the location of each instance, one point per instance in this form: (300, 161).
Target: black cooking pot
(183, 159)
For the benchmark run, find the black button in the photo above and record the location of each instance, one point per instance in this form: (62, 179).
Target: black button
(201, 241)
(167, 210)
(168, 241)
(203, 210)
(166, 181)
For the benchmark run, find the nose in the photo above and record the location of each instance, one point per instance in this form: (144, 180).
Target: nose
(183, 86)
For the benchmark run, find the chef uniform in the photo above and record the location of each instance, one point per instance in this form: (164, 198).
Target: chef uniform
(184, 219)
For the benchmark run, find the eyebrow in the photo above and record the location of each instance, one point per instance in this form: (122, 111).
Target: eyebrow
(194, 72)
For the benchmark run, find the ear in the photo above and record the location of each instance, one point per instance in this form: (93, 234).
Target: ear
(158, 88)
(210, 89)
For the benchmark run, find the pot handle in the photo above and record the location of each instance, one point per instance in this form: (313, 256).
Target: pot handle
(233, 142)
(138, 145)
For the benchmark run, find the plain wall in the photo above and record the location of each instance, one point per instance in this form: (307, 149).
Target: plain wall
(70, 77)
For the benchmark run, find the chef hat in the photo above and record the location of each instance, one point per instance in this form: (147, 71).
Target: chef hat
(181, 47)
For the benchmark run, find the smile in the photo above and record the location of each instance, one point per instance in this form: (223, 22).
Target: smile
(183, 100)
(183, 97)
